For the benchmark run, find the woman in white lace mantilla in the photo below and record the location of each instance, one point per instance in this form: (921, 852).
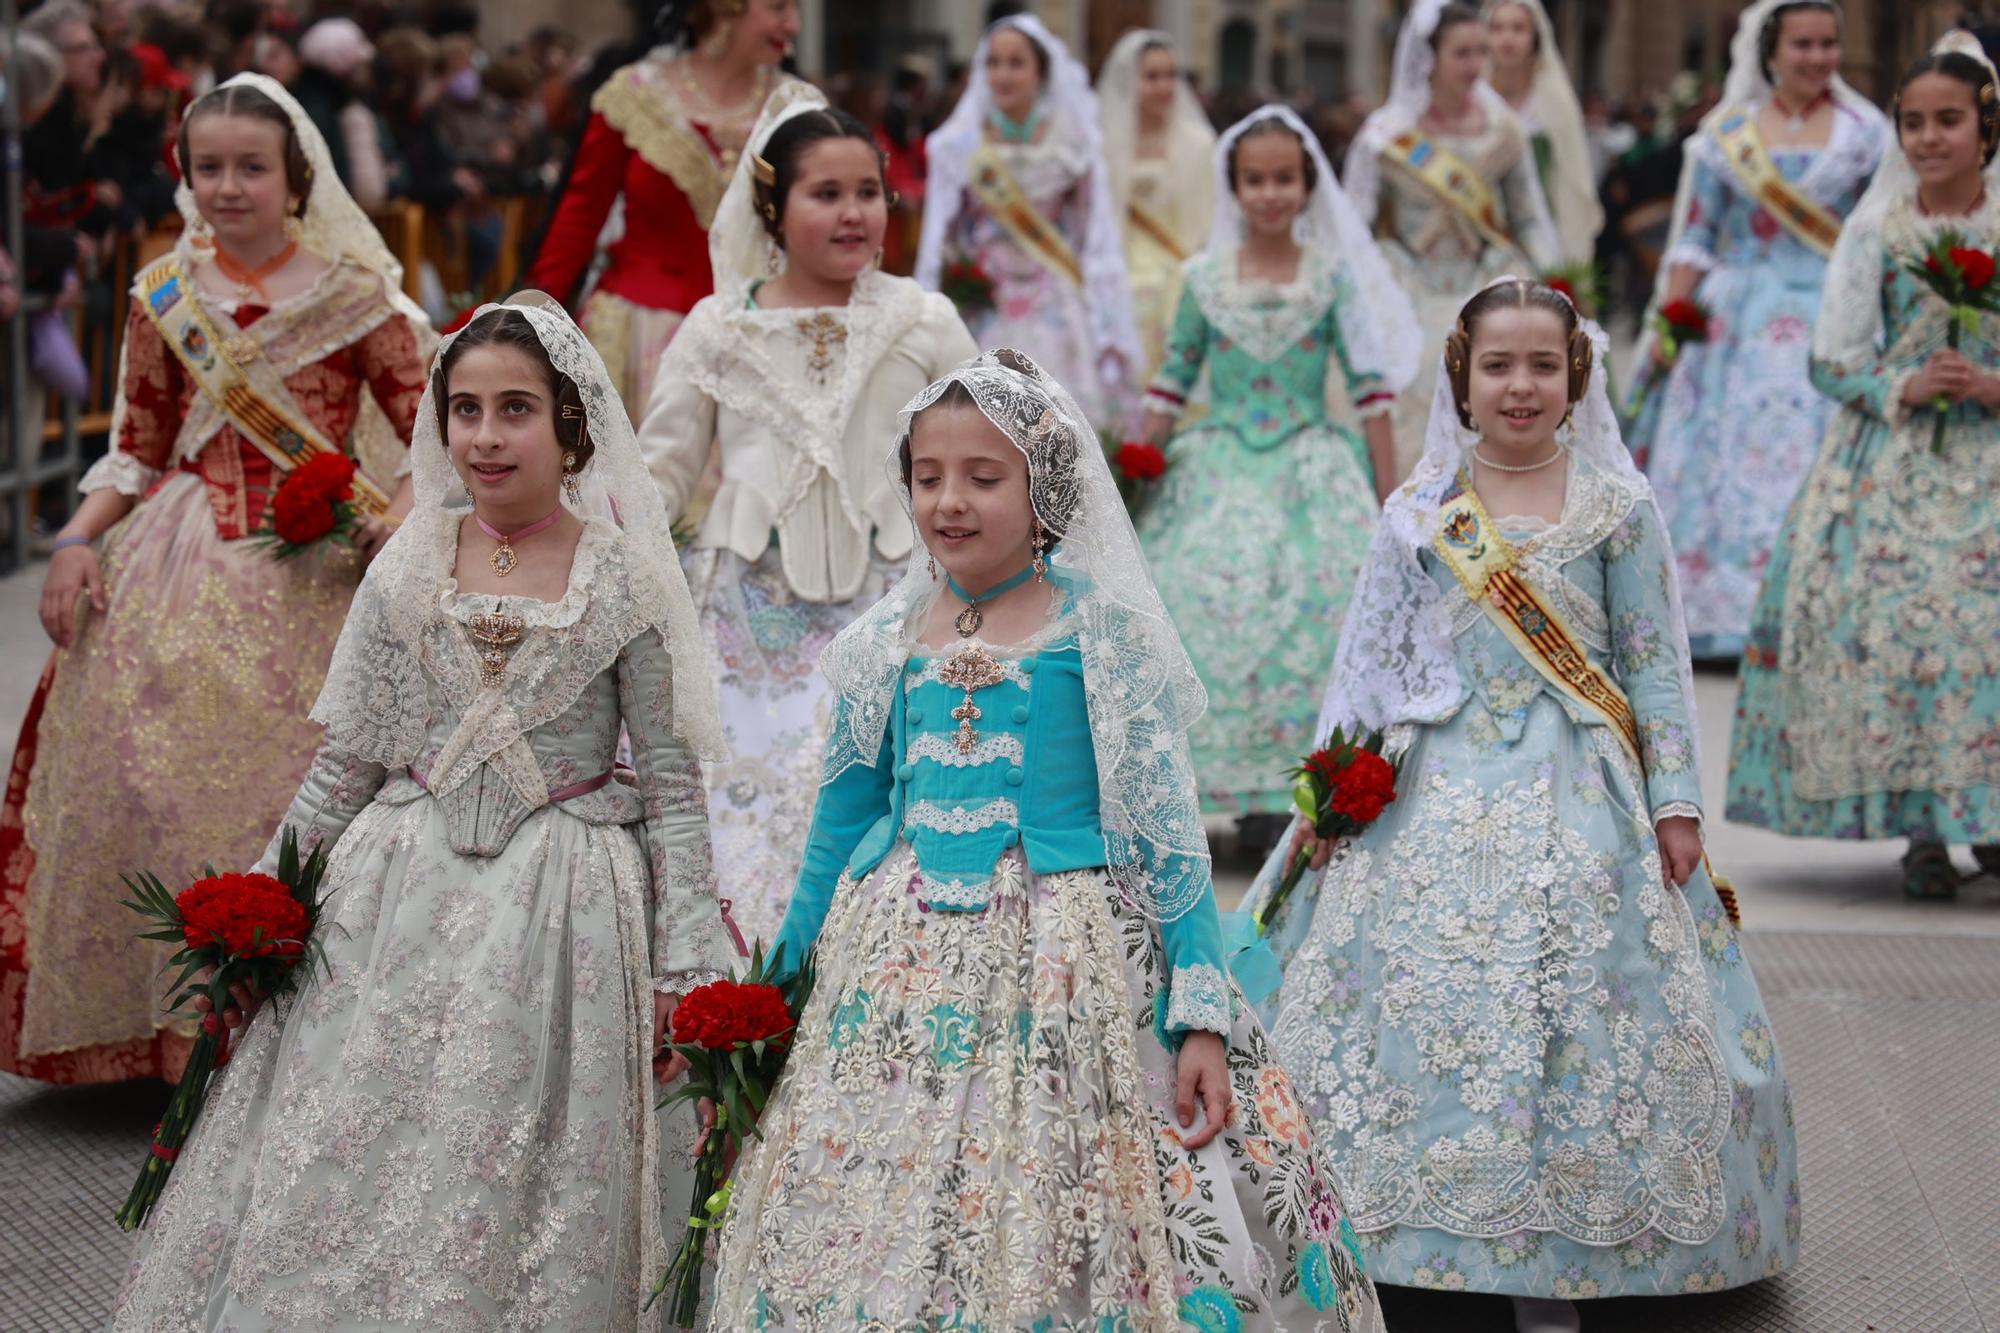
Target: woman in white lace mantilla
(454, 1128)
(1529, 74)
(1445, 174)
(1869, 700)
(1521, 1017)
(794, 370)
(1023, 1094)
(1020, 186)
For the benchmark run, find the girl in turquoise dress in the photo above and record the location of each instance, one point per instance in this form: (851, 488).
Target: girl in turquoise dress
(1519, 1014)
(1023, 1094)
(1727, 432)
(1869, 702)
(1268, 503)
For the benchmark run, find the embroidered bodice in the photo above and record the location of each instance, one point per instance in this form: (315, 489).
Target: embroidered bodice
(799, 402)
(332, 343)
(1603, 568)
(490, 774)
(1267, 347)
(987, 759)
(1413, 216)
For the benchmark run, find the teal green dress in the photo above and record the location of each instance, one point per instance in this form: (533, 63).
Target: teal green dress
(1264, 516)
(1870, 703)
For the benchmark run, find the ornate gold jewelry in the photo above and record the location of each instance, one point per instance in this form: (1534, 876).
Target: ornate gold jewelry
(498, 631)
(826, 333)
(572, 487)
(764, 173)
(970, 669)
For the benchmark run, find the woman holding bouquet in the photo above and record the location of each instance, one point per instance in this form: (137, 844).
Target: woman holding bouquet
(1445, 174)
(1158, 145)
(1265, 513)
(1521, 1016)
(453, 1128)
(1005, 1103)
(1869, 702)
(1727, 431)
(1019, 186)
(272, 345)
(795, 369)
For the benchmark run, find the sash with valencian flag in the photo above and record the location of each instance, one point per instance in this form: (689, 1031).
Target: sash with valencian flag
(995, 187)
(1450, 179)
(1799, 213)
(1486, 564)
(233, 374)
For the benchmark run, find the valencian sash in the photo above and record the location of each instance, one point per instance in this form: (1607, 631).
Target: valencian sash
(1448, 176)
(1802, 215)
(995, 187)
(1156, 229)
(1487, 565)
(234, 375)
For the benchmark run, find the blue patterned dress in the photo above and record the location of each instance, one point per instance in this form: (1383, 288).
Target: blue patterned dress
(1538, 1070)
(1728, 437)
(1870, 702)
(1264, 516)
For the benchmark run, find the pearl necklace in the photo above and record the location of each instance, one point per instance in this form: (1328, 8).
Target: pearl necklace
(1513, 467)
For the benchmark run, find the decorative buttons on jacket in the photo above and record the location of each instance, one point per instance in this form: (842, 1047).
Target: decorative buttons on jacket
(1020, 712)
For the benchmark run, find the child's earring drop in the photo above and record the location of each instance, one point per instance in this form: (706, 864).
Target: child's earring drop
(1041, 565)
(932, 560)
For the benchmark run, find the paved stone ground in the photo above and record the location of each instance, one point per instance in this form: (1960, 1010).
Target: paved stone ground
(1888, 1014)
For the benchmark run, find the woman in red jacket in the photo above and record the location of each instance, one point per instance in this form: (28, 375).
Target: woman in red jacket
(664, 135)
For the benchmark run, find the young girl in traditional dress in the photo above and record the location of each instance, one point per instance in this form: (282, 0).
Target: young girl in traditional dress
(1019, 185)
(1728, 431)
(663, 139)
(454, 1128)
(1528, 73)
(1869, 704)
(172, 719)
(1445, 174)
(1268, 504)
(1158, 145)
(795, 370)
(1521, 1018)
(1023, 1094)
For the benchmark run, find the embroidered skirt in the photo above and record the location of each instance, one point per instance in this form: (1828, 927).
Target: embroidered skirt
(976, 1130)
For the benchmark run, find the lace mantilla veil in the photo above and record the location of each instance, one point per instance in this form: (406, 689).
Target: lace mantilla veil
(1556, 112)
(1395, 662)
(1745, 87)
(1066, 95)
(1409, 98)
(1190, 139)
(1379, 325)
(1849, 330)
(1141, 687)
(377, 702)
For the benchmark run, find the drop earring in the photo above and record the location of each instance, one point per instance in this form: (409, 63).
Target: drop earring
(1041, 565)
(933, 563)
(571, 484)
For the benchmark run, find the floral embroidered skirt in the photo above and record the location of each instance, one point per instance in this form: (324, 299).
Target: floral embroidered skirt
(453, 1132)
(1537, 1070)
(171, 735)
(764, 645)
(977, 1131)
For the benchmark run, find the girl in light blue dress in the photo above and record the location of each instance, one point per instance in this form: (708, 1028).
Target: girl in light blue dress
(1728, 435)
(1519, 1014)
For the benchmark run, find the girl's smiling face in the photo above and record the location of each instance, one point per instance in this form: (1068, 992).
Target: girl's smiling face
(836, 210)
(236, 169)
(1937, 123)
(1270, 180)
(969, 491)
(1518, 389)
(500, 419)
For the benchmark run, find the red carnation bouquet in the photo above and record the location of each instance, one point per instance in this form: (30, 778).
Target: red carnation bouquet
(1137, 464)
(1963, 277)
(314, 502)
(1581, 283)
(736, 1036)
(1341, 789)
(250, 929)
(967, 284)
(1678, 324)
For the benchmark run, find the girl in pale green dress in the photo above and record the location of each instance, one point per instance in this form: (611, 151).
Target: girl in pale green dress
(1268, 503)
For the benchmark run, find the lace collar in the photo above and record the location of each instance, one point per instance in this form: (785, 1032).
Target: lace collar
(1264, 318)
(598, 536)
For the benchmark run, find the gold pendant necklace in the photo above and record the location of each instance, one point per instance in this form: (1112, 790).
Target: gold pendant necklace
(499, 631)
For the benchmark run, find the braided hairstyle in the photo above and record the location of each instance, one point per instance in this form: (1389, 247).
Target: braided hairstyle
(1518, 294)
(775, 171)
(1975, 76)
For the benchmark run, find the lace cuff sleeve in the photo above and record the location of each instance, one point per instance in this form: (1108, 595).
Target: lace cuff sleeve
(1199, 1000)
(121, 472)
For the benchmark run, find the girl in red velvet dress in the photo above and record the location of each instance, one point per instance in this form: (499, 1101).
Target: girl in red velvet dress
(664, 134)
(170, 726)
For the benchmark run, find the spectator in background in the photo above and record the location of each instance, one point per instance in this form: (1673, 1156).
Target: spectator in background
(554, 55)
(275, 51)
(67, 185)
(48, 254)
(905, 121)
(336, 57)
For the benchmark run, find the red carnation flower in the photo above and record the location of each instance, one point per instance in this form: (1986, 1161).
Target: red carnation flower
(1140, 461)
(724, 1014)
(1684, 314)
(329, 475)
(244, 916)
(1976, 266)
(1364, 788)
(1563, 285)
(1932, 264)
(304, 508)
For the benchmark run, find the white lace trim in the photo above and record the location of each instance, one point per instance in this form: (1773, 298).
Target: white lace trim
(121, 472)
(1198, 1000)
(680, 983)
(960, 821)
(944, 750)
(931, 672)
(963, 894)
(1266, 318)
(1677, 810)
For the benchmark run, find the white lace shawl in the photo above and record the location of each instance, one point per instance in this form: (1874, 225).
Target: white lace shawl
(1379, 325)
(377, 702)
(1141, 687)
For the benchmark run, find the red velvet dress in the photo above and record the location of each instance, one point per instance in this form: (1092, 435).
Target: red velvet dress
(642, 145)
(173, 732)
